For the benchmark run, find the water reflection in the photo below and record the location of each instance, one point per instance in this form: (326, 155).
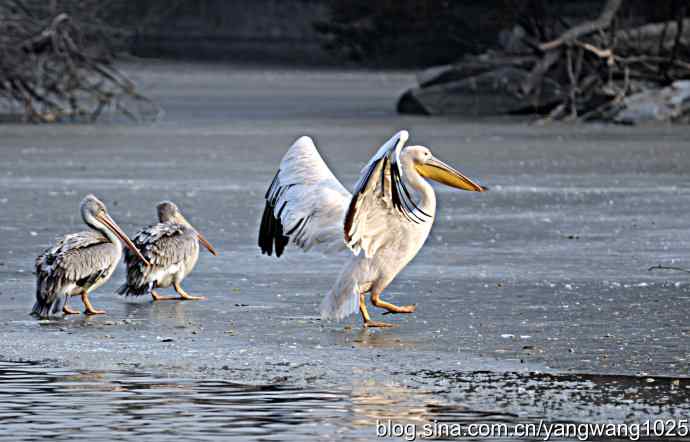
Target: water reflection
(372, 401)
(373, 339)
(37, 402)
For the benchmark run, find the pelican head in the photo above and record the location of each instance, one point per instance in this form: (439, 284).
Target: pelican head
(168, 212)
(95, 215)
(428, 166)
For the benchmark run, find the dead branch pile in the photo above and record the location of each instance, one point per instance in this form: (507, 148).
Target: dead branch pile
(56, 62)
(588, 71)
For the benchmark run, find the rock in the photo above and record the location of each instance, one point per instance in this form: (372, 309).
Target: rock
(409, 103)
(490, 93)
(472, 66)
(663, 104)
(438, 74)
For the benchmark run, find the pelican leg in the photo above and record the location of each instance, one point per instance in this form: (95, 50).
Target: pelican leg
(157, 297)
(89, 308)
(365, 315)
(184, 296)
(392, 308)
(68, 311)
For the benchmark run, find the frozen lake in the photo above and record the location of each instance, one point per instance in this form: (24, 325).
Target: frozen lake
(545, 273)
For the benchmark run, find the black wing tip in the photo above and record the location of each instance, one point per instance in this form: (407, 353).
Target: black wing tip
(271, 233)
(265, 236)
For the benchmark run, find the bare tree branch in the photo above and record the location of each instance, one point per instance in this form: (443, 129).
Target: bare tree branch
(604, 20)
(58, 65)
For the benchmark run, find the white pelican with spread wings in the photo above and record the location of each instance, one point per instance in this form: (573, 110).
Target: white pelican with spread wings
(384, 222)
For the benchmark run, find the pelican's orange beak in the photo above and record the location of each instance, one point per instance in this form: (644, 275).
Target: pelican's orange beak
(437, 170)
(206, 244)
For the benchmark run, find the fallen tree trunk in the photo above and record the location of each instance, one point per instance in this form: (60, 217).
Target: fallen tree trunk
(491, 92)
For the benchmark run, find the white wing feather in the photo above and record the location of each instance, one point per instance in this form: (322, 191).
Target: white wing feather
(380, 199)
(305, 204)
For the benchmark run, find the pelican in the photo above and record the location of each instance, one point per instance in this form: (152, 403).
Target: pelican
(172, 247)
(384, 222)
(80, 263)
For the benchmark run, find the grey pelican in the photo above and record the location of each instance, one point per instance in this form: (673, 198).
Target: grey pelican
(172, 247)
(80, 263)
(384, 222)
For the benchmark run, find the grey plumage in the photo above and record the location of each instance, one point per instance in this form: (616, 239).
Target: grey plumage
(79, 263)
(79, 260)
(165, 245)
(171, 247)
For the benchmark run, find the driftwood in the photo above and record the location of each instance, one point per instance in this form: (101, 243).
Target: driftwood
(568, 37)
(58, 66)
(583, 29)
(601, 63)
(600, 67)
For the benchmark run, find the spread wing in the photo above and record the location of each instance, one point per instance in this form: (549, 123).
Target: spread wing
(164, 245)
(380, 199)
(305, 204)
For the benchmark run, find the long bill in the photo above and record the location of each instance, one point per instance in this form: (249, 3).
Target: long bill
(437, 170)
(113, 227)
(199, 236)
(206, 244)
